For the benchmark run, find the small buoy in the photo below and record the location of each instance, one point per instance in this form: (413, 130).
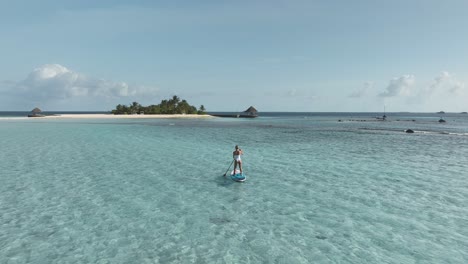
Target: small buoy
(409, 131)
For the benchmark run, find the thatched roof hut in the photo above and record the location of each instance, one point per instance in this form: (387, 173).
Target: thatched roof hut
(36, 111)
(251, 110)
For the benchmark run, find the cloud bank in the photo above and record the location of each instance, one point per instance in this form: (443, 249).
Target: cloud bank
(443, 92)
(445, 82)
(55, 82)
(399, 86)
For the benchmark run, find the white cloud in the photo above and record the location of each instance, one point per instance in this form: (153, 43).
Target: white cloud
(362, 91)
(441, 88)
(443, 92)
(457, 88)
(438, 81)
(399, 86)
(445, 83)
(56, 82)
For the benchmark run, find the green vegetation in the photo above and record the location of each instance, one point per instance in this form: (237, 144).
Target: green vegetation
(166, 107)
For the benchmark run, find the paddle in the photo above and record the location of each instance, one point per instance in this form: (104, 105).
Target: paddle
(228, 168)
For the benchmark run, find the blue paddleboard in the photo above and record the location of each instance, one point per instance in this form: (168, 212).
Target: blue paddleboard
(237, 176)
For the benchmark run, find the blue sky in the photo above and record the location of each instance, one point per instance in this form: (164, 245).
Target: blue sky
(229, 55)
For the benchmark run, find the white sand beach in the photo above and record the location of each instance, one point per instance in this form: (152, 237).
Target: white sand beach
(111, 116)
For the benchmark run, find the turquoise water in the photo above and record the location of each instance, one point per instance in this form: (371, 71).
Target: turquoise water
(153, 191)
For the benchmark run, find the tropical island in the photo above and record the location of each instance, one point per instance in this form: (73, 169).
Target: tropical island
(172, 106)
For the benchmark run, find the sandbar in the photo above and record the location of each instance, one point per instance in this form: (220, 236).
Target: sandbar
(111, 116)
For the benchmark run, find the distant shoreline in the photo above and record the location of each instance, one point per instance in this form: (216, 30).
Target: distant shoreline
(9, 115)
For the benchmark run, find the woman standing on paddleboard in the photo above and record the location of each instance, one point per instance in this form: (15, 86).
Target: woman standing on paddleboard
(236, 155)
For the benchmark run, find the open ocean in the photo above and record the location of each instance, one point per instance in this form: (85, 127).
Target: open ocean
(317, 190)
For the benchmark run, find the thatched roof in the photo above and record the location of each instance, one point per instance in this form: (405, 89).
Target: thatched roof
(36, 110)
(251, 110)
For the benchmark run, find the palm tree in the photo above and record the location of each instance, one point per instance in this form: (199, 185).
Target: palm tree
(135, 108)
(175, 99)
(201, 110)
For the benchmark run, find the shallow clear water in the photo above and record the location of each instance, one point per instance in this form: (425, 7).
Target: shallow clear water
(153, 191)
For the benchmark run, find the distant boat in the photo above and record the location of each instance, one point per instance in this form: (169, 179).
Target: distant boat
(384, 117)
(441, 112)
(442, 120)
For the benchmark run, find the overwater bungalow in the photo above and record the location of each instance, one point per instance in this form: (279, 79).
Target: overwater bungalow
(36, 112)
(251, 112)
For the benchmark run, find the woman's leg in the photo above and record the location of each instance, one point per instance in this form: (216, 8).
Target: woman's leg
(240, 166)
